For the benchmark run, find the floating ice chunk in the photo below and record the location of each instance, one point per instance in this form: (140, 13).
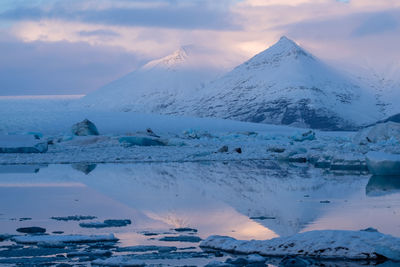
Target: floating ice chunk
(31, 230)
(196, 134)
(141, 141)
(22, 144)
(381, 163)
(310, 135)
(106, 223)
(74, 218)
(324, 244)
(34, 239)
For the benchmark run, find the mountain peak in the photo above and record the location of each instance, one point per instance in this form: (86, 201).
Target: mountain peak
(288, 46)
(170, 61)
(286, 41)
(284, 49)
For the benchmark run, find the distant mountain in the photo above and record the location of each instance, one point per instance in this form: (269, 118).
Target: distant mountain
(155, 87)
(286, 85)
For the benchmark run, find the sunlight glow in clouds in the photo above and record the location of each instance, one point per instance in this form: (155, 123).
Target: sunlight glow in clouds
(356, 31)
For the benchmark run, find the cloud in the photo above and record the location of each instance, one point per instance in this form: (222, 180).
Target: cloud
(129, 31)
(100, 32)
(192, 15)
(60, 67)
(377, 24)
(358, 40)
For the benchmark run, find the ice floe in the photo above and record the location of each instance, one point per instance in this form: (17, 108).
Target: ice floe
(323, 244)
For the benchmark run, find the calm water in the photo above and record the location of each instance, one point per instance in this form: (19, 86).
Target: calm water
(248, 200)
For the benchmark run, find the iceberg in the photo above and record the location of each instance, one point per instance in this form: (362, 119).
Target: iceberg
(22, 144)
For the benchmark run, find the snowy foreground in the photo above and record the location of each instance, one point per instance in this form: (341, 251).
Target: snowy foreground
(325, 244)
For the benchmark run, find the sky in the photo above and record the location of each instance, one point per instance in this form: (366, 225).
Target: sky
(75, 46)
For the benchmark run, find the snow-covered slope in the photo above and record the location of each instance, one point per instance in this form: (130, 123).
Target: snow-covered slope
(286, 85)
(385, 84)
(155, 87)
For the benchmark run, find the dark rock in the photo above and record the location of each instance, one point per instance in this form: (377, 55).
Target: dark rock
(223, 149)
(371, 230)
(32, 230)
(84, 128)
(238, 150)
(151, 133)
(58, 232)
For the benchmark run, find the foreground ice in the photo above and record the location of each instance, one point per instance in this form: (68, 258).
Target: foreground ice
(381, 163)
(34, 239)
(324, 244)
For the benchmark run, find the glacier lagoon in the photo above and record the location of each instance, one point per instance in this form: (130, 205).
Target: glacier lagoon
(259, 199)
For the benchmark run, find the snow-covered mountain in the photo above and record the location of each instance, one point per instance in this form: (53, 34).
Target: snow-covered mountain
(282, 85)
(155, 87)
(286, 85)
